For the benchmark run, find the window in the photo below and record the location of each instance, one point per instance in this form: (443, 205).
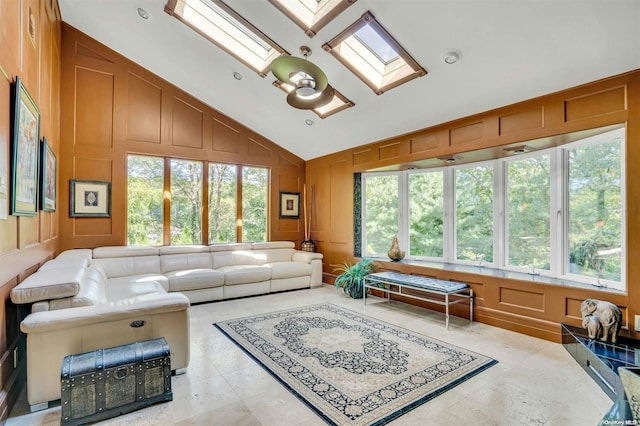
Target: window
(186, 202)
(145, 194)
(311, 15)
(528, 212)
(255, 196)
(474, 213)
(222, 203)
(426, 214)
(595, 188)
(373, 55)
(557, 212)
(156, 183)
(221, 25)
(380, 212)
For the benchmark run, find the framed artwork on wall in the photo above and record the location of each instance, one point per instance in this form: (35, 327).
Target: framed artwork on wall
(290, 205)
(89, 198)
(25, 147)
(48, 175)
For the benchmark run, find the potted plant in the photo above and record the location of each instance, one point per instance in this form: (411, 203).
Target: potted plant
(351, 279)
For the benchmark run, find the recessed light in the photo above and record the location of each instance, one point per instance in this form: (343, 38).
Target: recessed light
(451, 56)
(450, 160)
(143, 13)
(237, 75)
(308, 122)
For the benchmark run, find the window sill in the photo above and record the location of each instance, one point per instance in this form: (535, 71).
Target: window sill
(500, 273)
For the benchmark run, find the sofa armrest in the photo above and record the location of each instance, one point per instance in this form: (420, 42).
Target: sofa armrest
(305, 256)
(42, 322)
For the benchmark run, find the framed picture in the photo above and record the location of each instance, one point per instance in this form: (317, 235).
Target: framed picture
(89, 198)
(290, 205)
(25, 147)
(48, 178)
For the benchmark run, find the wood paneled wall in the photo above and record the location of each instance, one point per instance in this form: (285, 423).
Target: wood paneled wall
(112, 107)
(25, 242)
(524, 306)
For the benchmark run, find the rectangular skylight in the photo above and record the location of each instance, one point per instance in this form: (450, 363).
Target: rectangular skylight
(221, 25)
(337, 104)
(373, 55)
(311, 15)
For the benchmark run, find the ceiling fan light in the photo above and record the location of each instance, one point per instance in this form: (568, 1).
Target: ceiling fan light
(306, 87)
(317, 100)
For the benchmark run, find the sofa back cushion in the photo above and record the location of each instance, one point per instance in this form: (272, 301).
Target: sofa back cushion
(178, 262)
(233, 258)
(115, 267)
(92, 291)
(273, 255)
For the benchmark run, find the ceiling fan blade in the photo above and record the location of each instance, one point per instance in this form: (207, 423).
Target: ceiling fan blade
(310, 103)
(285, 66)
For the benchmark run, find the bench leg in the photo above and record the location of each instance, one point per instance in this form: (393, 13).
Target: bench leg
(446, 310)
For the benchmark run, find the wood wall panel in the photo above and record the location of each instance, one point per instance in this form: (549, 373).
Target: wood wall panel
(25, 242)
(524, 306)
(144, 109)
(94, 107)
(465, 134)
(422, 143)
(389, 151)
(521, 121)
(225, 137)
(595, 104)
(144, 106)
(188, 125)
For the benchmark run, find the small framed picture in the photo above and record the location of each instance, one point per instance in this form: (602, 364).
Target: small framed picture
(48, 178)
(290, 205)
(89, 198)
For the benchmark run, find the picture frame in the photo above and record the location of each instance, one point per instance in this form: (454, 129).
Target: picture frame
(25, 149)
(290, 205)
(89, 198)
(48, 174)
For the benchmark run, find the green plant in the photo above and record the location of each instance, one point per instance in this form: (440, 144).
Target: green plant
(351, 279)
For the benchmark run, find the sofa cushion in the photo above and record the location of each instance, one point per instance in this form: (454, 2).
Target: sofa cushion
(65, 262)
(46, 285)
(183, 249)
(289, 270)
(116, 267)
(230, 247)
(194, 279)
(269, 245)
(179, 262)
(233, 258)
(273, 255)
(244, 274)
(83, 253)
(123, 288)
(124, 251)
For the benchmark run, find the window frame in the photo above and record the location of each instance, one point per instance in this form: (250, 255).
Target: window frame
(321, 16)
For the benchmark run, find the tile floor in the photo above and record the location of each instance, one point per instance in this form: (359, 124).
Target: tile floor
(536, 382)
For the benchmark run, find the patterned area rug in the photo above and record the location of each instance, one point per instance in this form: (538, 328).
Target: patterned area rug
(352, 369)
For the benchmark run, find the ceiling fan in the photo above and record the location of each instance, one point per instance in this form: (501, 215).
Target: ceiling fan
(311, 88)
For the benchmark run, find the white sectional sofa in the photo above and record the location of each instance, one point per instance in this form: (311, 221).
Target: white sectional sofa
(89, 299)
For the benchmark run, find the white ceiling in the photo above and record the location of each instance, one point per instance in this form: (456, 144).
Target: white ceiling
(512, 50)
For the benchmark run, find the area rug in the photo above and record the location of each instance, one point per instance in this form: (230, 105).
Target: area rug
(349, 368)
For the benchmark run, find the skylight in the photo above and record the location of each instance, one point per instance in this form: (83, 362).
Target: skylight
(311, 15)
(337, 104)
(372, 54)
(221, 25)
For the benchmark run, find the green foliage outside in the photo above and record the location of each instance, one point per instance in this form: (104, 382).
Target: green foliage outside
(222, 203)
(145, 195)
(474, 213)
(186, 202)
(255, 184)
(381, 212)
(426, 214)
(595, 210)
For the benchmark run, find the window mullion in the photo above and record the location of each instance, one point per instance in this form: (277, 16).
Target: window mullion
(403, 211)
(449, 230)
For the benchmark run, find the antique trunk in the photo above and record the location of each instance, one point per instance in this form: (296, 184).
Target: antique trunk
(108, 382)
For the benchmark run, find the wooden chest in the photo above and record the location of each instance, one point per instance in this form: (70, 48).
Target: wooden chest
(108, 382)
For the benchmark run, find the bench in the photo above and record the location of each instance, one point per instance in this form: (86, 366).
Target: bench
(395, 283)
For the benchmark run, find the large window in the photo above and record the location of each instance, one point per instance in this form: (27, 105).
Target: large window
(157, 183)
(557, 212)
(145, 194)
(255, 196)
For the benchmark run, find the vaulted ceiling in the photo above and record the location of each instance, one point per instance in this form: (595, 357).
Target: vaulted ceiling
(511, 51)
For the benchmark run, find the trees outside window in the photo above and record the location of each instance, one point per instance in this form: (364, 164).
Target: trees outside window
(145, 191)
(255, 197)
(222, 203)
(557, 212)
(186, 202)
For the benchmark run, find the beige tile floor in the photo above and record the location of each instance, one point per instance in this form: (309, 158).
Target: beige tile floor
(536, 382)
